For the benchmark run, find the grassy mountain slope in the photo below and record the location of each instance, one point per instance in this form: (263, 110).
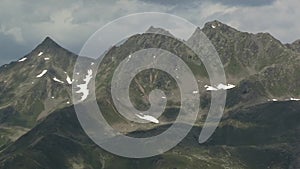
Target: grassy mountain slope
(261, 136)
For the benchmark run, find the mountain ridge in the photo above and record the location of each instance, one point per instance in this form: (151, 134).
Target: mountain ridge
(263, 71)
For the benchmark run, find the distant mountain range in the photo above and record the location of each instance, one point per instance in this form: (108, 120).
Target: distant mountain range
(259, 129)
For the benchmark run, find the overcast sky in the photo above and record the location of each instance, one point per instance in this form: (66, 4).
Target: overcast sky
(24, 24)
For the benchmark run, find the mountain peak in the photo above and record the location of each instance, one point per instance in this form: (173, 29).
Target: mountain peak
(48, 42)
(296, 42)
(48, 39)
(49, 46)
(213, 28)
(295, 46)
(218, 25)
(152, 29)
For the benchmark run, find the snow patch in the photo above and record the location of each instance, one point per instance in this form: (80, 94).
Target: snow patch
(40, 53)
(148, 118)
(210, 88)
(22, 60)
(274, 100)
(42, 74)
(68, 79)
(57, 80)
(294, 99)
(46, 58)
(225, 87)
(213, 26)
(219, 87)
(84, 87)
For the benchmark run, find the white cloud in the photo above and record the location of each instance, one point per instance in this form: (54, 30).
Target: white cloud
(72, 22)
(14, 32)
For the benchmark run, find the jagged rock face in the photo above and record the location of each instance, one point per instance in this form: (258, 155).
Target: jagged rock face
(138, 42)
(259, 65)
(258, 58)
(243, 53)
(28, 87)
(159, 31)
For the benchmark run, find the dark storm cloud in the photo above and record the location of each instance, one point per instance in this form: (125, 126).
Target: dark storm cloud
(190, 3)
(10, 50)
(253, 3)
